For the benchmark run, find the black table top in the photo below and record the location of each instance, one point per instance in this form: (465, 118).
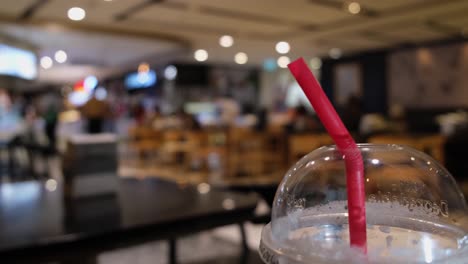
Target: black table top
(34, 219)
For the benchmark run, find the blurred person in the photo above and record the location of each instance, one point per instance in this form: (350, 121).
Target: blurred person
(5, 105)
(18, 104)
(33, 136)
(352, 113)
(153, 115)
(229, 110)
(171, 121)
(5, 101)
(262, 119)
(247, 119)
(139, 113)
(301, 121)
(188, 121)
(10, 117)
(96, 112)
(397, 122)
(158, 120)
(48, 108)
(50, 117)
(372, 124)
(244, 92)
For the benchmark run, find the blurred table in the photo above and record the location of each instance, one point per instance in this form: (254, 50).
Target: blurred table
(38, 225)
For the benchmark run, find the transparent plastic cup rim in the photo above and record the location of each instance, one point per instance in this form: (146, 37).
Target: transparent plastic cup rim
(270, 249)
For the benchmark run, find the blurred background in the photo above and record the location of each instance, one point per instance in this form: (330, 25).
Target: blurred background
(196, 94)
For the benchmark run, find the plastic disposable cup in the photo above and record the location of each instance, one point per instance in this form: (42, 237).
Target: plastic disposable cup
(414, 208)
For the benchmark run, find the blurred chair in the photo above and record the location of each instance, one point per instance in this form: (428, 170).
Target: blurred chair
(215, 152)
(275, 147)
(143, 145)
(301, 144)
(247, 152)
(434, 146)
(396, 139)
(172, 146)
(193, 150)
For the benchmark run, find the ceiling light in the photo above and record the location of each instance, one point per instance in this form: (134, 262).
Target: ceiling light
(241, 58)
(51, 185)
(282, 47)
(226, 41)
(46, 62)
(76, 13)
(335, 53)
(201, 55)
(60, 56)
(283, 61)
(107, 0)
(316, 63)
(170, 73)
(354, 8)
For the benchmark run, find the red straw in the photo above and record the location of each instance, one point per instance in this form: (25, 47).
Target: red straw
(347, 147)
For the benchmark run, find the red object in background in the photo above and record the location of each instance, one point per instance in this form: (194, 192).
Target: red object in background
(79, 86)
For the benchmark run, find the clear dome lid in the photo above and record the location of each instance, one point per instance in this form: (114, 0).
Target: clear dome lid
(415, 211)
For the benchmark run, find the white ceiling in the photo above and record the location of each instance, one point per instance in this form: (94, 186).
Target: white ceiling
(165, 27)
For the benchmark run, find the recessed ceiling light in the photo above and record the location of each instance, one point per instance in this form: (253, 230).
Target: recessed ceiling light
(60, 56)
(107, 0)
(226, 41)
(201, 55)
(316, 63)
(283, 61)
(46, 62)
(335, 53)
(76, 13)
(354, 8)
(51, 185)
(282, 47)
(241, 58)
(170, 73)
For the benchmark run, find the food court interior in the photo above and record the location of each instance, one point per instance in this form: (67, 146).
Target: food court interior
(169, 101)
